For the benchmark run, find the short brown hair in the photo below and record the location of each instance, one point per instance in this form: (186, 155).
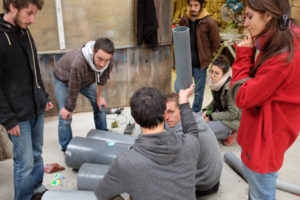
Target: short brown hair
(223, 63)
(19, 4)
(104, 44)
(173, 97)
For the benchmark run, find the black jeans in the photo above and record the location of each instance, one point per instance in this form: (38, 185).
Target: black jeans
(207, 192)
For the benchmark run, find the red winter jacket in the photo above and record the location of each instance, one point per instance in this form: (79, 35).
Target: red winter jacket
(270, 104)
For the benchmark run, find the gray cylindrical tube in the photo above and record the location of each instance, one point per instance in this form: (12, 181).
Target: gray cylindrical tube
(89, 175)
(69, 195)
(87, 150)
(236, 164)
(111, 136)
(183, 58)
(289, 187)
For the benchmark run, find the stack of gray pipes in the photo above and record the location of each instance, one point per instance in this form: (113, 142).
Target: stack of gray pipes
(92, 156)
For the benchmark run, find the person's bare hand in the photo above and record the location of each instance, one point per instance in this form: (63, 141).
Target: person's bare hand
(49, 106)
(184, 94)
(247, 41)
(205, 117)
(101, 102)
(204, 114)
(65, 114)
(15, 131)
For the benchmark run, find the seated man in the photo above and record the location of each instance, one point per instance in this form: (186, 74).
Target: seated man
(160, 164)
(209, 165)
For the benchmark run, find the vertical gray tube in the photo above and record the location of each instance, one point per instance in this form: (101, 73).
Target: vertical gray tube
(109, 136)
(183, 58)
(69, 195)
(236, 165)
(89, 175)
(87, 150)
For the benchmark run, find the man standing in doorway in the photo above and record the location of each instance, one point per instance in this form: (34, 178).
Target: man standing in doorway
(23, 98)
(76, 72)
(205, 40)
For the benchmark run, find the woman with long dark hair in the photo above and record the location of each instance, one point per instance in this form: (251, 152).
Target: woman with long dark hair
(266, 87)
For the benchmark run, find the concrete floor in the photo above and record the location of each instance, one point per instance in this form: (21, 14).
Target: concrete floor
(232, 187)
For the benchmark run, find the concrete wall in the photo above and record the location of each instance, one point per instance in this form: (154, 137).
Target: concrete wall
(295, 9)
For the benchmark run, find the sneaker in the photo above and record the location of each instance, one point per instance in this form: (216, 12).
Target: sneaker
(230, 139)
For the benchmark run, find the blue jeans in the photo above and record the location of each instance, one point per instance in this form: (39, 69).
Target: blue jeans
(261, 186)
(200, 80)
(27, 156)
(64, 126)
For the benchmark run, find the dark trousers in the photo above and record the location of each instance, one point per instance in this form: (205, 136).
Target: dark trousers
(207, 192)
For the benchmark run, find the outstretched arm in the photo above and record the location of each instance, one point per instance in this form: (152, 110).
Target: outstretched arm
(189, 125)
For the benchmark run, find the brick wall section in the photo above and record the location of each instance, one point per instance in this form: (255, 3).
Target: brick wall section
(296, 9)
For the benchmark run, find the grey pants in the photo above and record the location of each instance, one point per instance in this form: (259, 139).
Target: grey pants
(220, 130)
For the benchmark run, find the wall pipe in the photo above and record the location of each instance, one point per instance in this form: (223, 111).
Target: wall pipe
(109, 136)
(236, 164)
(89, 175)
(87, 150)
(183, 58)
(69, 195)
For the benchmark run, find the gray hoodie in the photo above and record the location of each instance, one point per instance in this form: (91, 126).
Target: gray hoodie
(209, 165)
(158, 166)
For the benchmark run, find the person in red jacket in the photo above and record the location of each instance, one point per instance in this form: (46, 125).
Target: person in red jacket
(266, 88)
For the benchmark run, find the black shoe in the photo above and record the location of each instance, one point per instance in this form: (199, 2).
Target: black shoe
(38, 196)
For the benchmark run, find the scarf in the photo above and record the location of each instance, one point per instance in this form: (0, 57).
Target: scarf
(216, 86)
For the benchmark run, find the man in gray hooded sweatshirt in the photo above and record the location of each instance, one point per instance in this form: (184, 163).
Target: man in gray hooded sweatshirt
(160, 164)
(209, 165)
(76, 72)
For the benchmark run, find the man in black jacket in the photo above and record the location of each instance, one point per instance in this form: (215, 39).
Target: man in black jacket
(23, 98)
